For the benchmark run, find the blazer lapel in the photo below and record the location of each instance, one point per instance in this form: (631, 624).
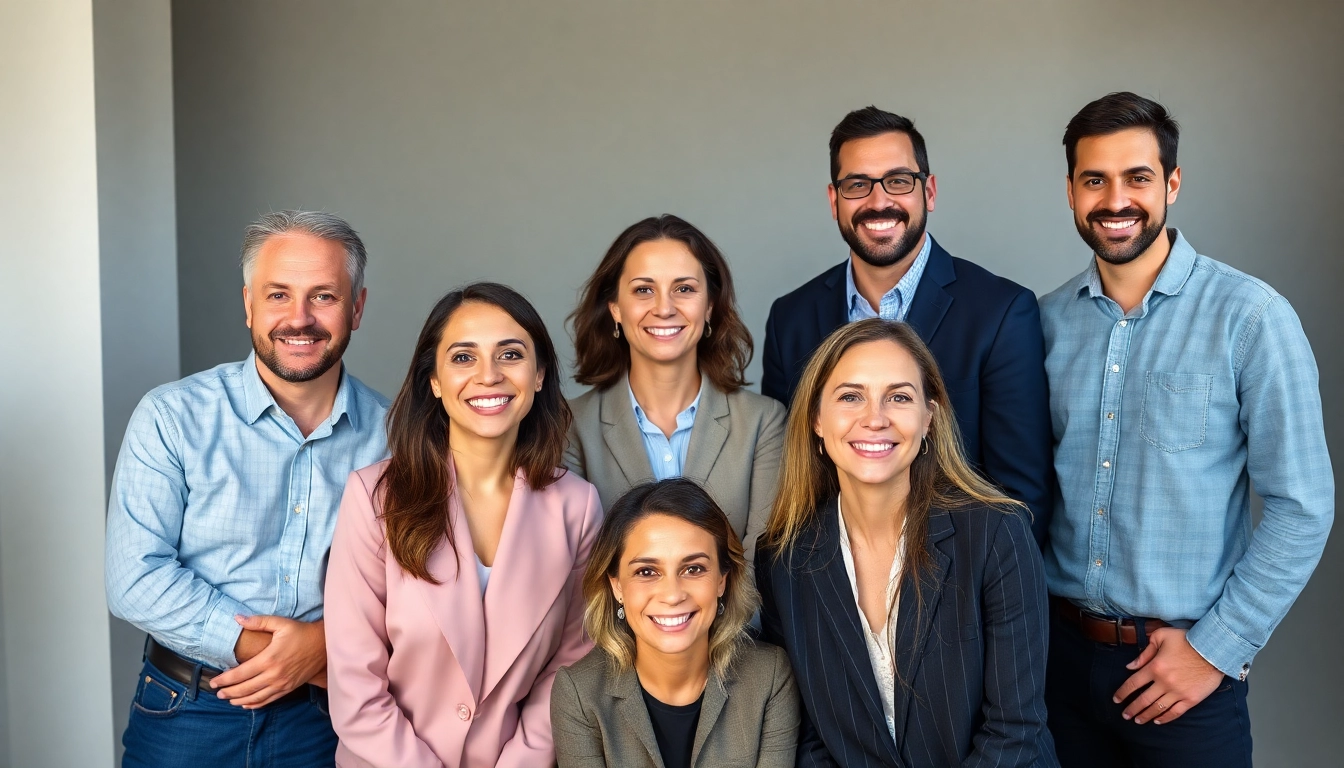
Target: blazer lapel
(455, 602)
(709, 433)
(831, 310)
(531, 566)
(931, 301)
(634, 715)
(716, 697)
(914, 622)
(620, 432)
(836, 597)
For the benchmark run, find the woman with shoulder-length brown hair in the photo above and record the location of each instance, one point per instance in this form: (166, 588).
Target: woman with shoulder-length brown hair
(907, 590)
(674, 681)
(658, 336)
(453, 590)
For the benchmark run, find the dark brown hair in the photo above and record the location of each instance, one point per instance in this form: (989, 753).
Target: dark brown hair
(601, 359)
(417, 483)
(869, 122)
(684, 500)
(1119, 111)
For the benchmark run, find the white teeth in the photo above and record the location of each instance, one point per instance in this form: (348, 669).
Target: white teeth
(872, 446)
(299, 341)
(488, 402)
(664, 331)
(879, 225)
(671, 621)
(1119, 224)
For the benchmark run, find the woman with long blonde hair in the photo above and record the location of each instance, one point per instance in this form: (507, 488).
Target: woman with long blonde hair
(907, 591)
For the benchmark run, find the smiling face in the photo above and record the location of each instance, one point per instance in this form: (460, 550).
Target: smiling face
(1118, 195)
(662, 301)
(485, 372)
(873, 415)
(882, 229)
(669, 580)
(299, 305)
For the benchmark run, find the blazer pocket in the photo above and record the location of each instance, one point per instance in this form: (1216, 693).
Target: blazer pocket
(1175, 410)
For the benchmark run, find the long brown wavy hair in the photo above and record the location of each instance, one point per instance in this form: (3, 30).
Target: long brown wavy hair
(417, 483)
(684, 500)
(601, 359)
(942, 478)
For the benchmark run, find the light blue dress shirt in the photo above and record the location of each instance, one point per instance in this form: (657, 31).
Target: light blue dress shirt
(666, 457)
(220, 506)
(1164, 420)
(895, 304)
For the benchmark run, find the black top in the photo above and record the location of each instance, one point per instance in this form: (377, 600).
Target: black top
(674, 727)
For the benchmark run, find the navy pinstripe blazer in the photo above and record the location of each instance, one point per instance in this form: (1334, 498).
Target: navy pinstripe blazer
(972, 656)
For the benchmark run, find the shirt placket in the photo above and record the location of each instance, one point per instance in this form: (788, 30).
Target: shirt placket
(1108, 440)
(296, 529)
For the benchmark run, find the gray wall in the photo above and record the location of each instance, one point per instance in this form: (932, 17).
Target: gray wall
(137, 233)
(56, 676)
(514, 140)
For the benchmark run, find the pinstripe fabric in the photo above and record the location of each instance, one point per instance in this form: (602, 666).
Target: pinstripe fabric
(972, 655)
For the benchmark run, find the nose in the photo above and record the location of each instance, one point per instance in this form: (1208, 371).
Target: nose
(876, 417)
(673, 592)
(663, 306)
(1117, 197)
(489, 370)
(301, 315)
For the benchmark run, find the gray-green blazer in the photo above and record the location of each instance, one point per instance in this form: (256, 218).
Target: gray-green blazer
(733, 454)
(748, 717)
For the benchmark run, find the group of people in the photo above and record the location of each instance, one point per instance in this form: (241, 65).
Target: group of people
(959, 527)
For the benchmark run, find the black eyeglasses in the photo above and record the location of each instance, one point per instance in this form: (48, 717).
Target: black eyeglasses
(859, 187)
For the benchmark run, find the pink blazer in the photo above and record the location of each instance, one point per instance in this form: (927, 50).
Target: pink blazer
(427, 674)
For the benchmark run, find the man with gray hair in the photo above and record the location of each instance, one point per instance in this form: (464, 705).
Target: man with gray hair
(222, 510)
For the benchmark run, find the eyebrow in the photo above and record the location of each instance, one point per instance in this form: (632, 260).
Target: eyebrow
(1126, 172)
(655, 561)
(856, 175)
(474, 345)
(675, 279)
(897, 385)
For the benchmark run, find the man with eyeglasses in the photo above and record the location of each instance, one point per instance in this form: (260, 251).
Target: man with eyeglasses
(984, 330)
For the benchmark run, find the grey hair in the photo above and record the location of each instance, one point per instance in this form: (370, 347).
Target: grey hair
(316, 223)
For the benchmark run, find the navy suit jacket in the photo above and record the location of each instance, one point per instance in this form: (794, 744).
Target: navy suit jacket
(970, 660)
(985, 332)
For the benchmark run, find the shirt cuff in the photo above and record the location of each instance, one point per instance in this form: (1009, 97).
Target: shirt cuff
(1222, 647)
(220, 634)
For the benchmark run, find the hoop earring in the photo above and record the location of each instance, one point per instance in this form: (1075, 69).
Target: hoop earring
(821, 448)
(616, 334)
(925, 441)
(709, 330)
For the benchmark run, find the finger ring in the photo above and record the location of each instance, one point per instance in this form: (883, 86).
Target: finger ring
(1161, 706)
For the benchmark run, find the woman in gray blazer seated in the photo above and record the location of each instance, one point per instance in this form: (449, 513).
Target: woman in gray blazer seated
(658, 337)
(674, 682)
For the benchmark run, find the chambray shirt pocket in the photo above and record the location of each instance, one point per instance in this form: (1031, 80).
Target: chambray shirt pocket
(1175, 410)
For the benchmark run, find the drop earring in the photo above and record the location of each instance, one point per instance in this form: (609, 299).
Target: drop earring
(620, 610)
(616, 334)
(720, 606)
(709, 329)
(925, 440)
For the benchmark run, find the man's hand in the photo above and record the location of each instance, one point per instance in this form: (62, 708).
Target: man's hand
(1180, 678)
(296, 654)
(250, 643)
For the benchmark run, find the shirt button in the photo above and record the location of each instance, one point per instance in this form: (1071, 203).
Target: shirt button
(462, 712)
(1115, 369)
(1110, 415)
(1106, 464)
(1123, 323)
(667, 457)
(298, 509)
(1101, 512)
(286, 579)
(1098, 563)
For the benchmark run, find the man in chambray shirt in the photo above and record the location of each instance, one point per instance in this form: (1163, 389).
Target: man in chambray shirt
(1177, 385)
(222, 511)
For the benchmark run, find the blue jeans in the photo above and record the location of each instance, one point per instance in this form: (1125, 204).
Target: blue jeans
(172, 727)
(1081, 676)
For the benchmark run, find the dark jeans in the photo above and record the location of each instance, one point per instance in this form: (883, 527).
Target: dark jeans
(1080, 679)
(172, 728)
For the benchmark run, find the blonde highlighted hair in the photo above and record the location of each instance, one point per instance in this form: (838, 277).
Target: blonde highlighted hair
(684, 500)
(941, 478)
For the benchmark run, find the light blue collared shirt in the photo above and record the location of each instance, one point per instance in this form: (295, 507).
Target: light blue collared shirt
(220, 506)
(1164, 419)
(895, 304)
(666, 457)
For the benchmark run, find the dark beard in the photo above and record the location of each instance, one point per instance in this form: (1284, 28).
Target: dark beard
(1121, 253)
(890, 254)
(270, 357)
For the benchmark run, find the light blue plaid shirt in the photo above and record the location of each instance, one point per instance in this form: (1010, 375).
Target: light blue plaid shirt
(895, 304)
(220, 506)
(1164, 419)
(667, 457)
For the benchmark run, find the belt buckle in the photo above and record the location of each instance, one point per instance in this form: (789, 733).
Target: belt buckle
(1115, 621)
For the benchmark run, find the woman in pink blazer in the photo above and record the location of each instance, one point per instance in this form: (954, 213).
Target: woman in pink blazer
(454, 587)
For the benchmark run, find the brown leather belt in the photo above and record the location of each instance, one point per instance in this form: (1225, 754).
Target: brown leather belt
(184, 671)
(1101, 629)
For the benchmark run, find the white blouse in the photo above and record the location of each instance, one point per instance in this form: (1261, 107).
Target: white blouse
(482, 574)
(882, 641)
